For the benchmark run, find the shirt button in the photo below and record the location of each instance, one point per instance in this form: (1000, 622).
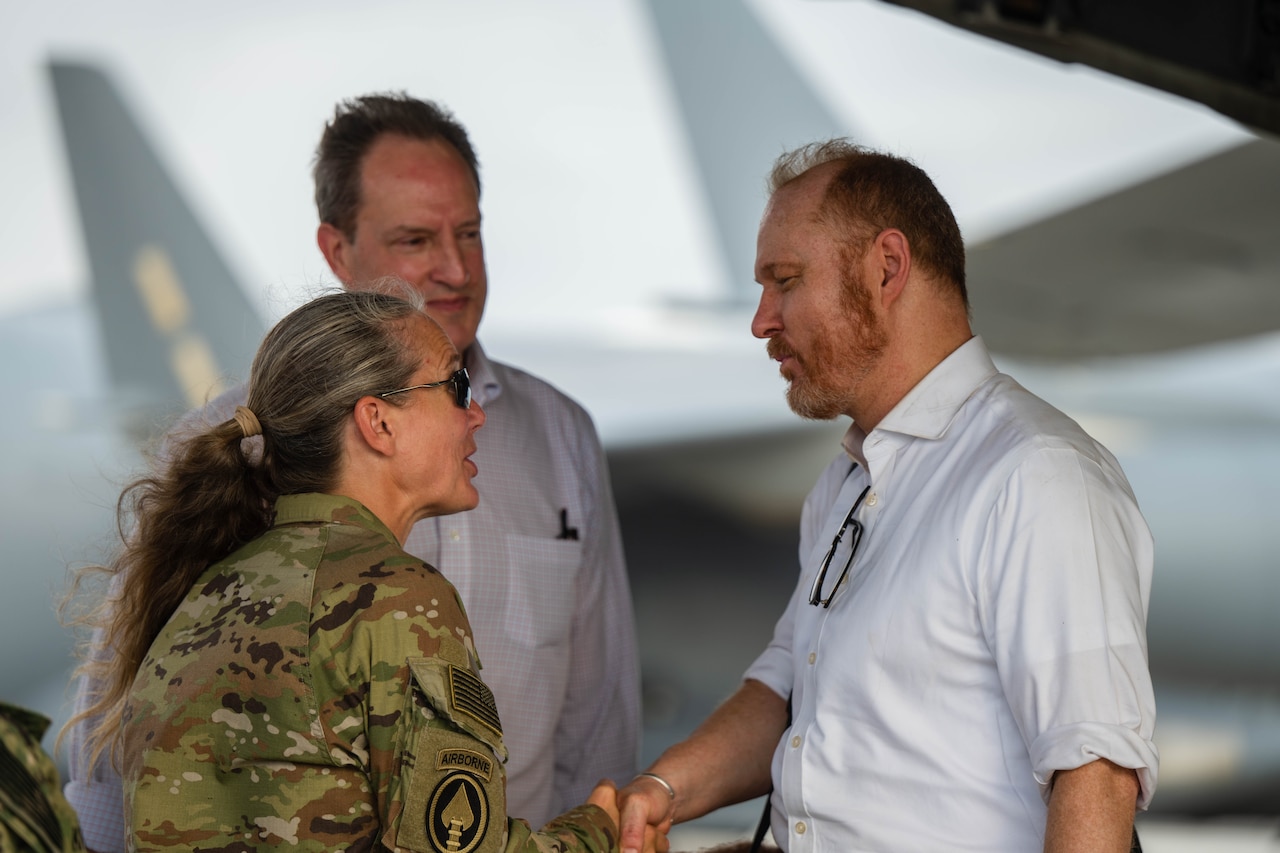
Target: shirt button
(872, 500)
(795, 741)
(812, 657)
(800, 827)
(455, 535)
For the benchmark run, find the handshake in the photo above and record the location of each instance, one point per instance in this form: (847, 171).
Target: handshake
(644, 811)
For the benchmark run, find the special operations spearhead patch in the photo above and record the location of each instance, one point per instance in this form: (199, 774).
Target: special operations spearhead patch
(458, 814)
(450, 769)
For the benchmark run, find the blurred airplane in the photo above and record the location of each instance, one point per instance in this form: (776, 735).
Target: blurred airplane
(1102, 309)
(172, 324)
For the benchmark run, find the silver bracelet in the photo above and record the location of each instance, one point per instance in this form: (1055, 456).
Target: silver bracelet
(671, 792)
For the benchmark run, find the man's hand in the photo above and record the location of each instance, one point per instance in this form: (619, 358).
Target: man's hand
(647, 812)
(725, 761)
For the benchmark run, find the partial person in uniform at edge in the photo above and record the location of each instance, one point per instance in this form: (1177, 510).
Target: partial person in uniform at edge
(34, 815)
(539, 562)
(285, 673)
(965, 651)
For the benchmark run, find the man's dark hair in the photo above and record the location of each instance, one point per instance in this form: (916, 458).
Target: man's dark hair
(357, 124)
(872, 191)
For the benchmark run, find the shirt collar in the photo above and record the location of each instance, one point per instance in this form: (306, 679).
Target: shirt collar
(931, 406)
(332, 509)
(485, 384)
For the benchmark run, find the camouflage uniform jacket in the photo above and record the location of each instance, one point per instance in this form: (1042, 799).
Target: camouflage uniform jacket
(33, 813)
(317, 690)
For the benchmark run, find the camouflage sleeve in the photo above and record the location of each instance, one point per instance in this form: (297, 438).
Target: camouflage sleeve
(367, 623)
(33, 814)
(398, 692)
(585, 828)
(450, 793)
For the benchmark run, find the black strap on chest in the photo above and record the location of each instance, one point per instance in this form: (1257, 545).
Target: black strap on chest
(762, 828)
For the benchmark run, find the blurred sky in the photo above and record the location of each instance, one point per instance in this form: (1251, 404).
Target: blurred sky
(589, 193)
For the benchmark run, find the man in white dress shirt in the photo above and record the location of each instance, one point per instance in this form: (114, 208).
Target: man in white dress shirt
(539, 562)
(965, 651)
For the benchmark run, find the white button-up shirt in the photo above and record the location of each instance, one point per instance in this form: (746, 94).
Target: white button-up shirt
(547, 596)
(992, 629)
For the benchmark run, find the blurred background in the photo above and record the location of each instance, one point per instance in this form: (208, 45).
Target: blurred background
(1123, 264)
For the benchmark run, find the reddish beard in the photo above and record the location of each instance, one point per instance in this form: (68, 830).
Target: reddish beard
(826, 379)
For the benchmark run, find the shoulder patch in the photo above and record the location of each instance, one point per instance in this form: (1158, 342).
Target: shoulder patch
(465, 759)
(471, 696)
(453, 794)
(458, 695)
(458, 814)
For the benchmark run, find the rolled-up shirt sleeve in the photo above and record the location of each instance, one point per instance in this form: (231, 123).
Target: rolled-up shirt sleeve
(1064, 585)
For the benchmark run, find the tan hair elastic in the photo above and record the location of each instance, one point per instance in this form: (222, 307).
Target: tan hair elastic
(248, 421)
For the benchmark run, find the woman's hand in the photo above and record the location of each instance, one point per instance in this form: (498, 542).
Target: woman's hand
(605, 796)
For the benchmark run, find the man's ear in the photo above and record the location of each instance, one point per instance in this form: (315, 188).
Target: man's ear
(893, 254)
(374, 426)
(335, 247)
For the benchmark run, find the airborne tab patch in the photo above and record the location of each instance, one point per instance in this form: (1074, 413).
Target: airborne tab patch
(465, 759)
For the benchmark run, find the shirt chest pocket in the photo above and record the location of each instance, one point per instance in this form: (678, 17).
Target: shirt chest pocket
(542, 591)
(451, 786)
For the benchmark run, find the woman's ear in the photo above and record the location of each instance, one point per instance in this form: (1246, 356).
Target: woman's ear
(375, 424)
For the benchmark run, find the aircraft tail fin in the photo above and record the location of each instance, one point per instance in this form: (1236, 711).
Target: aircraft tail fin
(175, 324)
(743, 103)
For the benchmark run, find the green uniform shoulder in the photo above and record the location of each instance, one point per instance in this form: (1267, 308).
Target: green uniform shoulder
(33, 813)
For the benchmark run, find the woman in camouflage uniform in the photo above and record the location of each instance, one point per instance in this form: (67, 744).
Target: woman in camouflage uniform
(286, 675)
